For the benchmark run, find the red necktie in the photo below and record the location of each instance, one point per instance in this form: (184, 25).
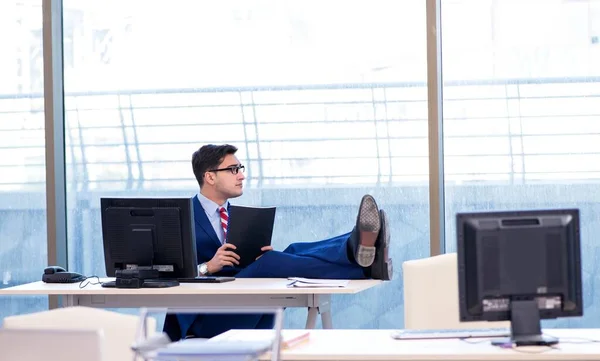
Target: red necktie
(224, 221)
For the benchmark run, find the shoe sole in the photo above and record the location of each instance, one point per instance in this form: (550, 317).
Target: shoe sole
(369, 224)
(382, 267)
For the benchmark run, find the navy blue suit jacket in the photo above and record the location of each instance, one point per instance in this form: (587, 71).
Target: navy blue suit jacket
(207, 242)
(321, 259)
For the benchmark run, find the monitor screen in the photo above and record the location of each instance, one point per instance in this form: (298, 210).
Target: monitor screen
(149, 233)
(514, 258)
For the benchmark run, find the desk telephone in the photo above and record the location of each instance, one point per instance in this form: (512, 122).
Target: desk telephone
(56, 274)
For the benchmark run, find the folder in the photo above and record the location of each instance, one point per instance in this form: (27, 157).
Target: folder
(250, 229)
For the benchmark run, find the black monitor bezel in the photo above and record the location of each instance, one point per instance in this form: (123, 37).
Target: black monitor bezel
(462, 218)
(187, 224)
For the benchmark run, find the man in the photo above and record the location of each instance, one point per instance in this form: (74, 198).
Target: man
(361, 253)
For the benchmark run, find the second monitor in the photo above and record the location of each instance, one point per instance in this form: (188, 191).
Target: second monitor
(519, 266)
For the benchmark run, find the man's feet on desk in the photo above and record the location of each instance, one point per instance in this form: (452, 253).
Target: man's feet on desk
(366, 231)
(370, 240)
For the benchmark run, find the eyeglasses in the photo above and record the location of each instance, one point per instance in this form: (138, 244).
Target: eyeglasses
(234, 169)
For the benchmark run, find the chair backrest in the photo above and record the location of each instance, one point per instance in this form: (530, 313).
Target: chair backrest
(119, 329)
(431, 295)
(46, 344)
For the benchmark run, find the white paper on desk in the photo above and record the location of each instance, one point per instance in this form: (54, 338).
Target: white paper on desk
(312, 282)
(223, 350)
(289, 338)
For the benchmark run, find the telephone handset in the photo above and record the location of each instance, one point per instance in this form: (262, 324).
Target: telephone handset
(57, 274)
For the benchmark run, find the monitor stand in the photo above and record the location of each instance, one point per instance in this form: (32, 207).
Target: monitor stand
(525, 325)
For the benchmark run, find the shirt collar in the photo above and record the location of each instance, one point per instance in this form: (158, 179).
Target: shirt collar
(210, 206)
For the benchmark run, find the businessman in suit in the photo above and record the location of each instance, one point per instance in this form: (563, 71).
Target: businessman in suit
(358, 254)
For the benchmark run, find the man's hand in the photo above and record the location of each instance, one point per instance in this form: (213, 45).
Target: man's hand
(265, 249)
(223, 258)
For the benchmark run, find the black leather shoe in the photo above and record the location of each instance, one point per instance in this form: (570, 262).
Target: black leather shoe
(364, 236)
(382, 268)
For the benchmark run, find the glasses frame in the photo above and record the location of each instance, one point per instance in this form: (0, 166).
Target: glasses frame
(234, 169)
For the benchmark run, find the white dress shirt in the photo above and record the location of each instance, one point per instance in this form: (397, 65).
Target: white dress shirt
(212, 212)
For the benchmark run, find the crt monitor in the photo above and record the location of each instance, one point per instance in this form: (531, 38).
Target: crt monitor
(149, 233)
(520, 266)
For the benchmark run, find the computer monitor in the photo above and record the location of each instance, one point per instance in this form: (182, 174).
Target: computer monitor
(149, 233)
(520, 266)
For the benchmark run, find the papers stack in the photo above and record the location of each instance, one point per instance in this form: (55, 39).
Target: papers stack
(289, 338)
(223, 350)
(233, 345)
(312, 283)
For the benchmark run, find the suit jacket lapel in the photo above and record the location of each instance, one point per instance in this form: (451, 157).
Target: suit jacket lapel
(202, 221)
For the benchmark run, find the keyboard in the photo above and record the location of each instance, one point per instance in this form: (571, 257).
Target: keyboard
(451, 333)
(175, 282)
(157, 283)
(206, 279)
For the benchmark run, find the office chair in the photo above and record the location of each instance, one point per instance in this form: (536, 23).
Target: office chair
(431, 295)
(26, 344)
(119, 329)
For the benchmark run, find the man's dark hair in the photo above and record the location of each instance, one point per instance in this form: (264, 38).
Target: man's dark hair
(209, 157)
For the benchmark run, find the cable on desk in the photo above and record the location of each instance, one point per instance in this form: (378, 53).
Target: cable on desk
(474, 340)
(574, 339)
(87, 281)
(512, 346)
(522, 349)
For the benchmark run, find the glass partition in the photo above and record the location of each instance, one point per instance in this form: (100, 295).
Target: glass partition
(326, 101)
(23, 248)
(521, 116)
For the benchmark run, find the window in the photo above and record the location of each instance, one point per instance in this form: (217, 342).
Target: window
(23, 250)
(521, 116)
(326, 101)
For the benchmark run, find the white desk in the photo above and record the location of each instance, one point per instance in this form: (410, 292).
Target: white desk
(355, 345)
(257, 292)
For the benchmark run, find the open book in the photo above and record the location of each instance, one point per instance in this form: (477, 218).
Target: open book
(313, 282)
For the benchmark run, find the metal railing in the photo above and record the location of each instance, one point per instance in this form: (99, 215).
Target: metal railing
(512, 131)
(505, 134)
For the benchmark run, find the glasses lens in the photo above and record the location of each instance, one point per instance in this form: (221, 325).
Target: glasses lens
(237, 168)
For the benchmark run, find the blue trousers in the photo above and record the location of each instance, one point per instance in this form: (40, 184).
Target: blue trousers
(323, 259)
